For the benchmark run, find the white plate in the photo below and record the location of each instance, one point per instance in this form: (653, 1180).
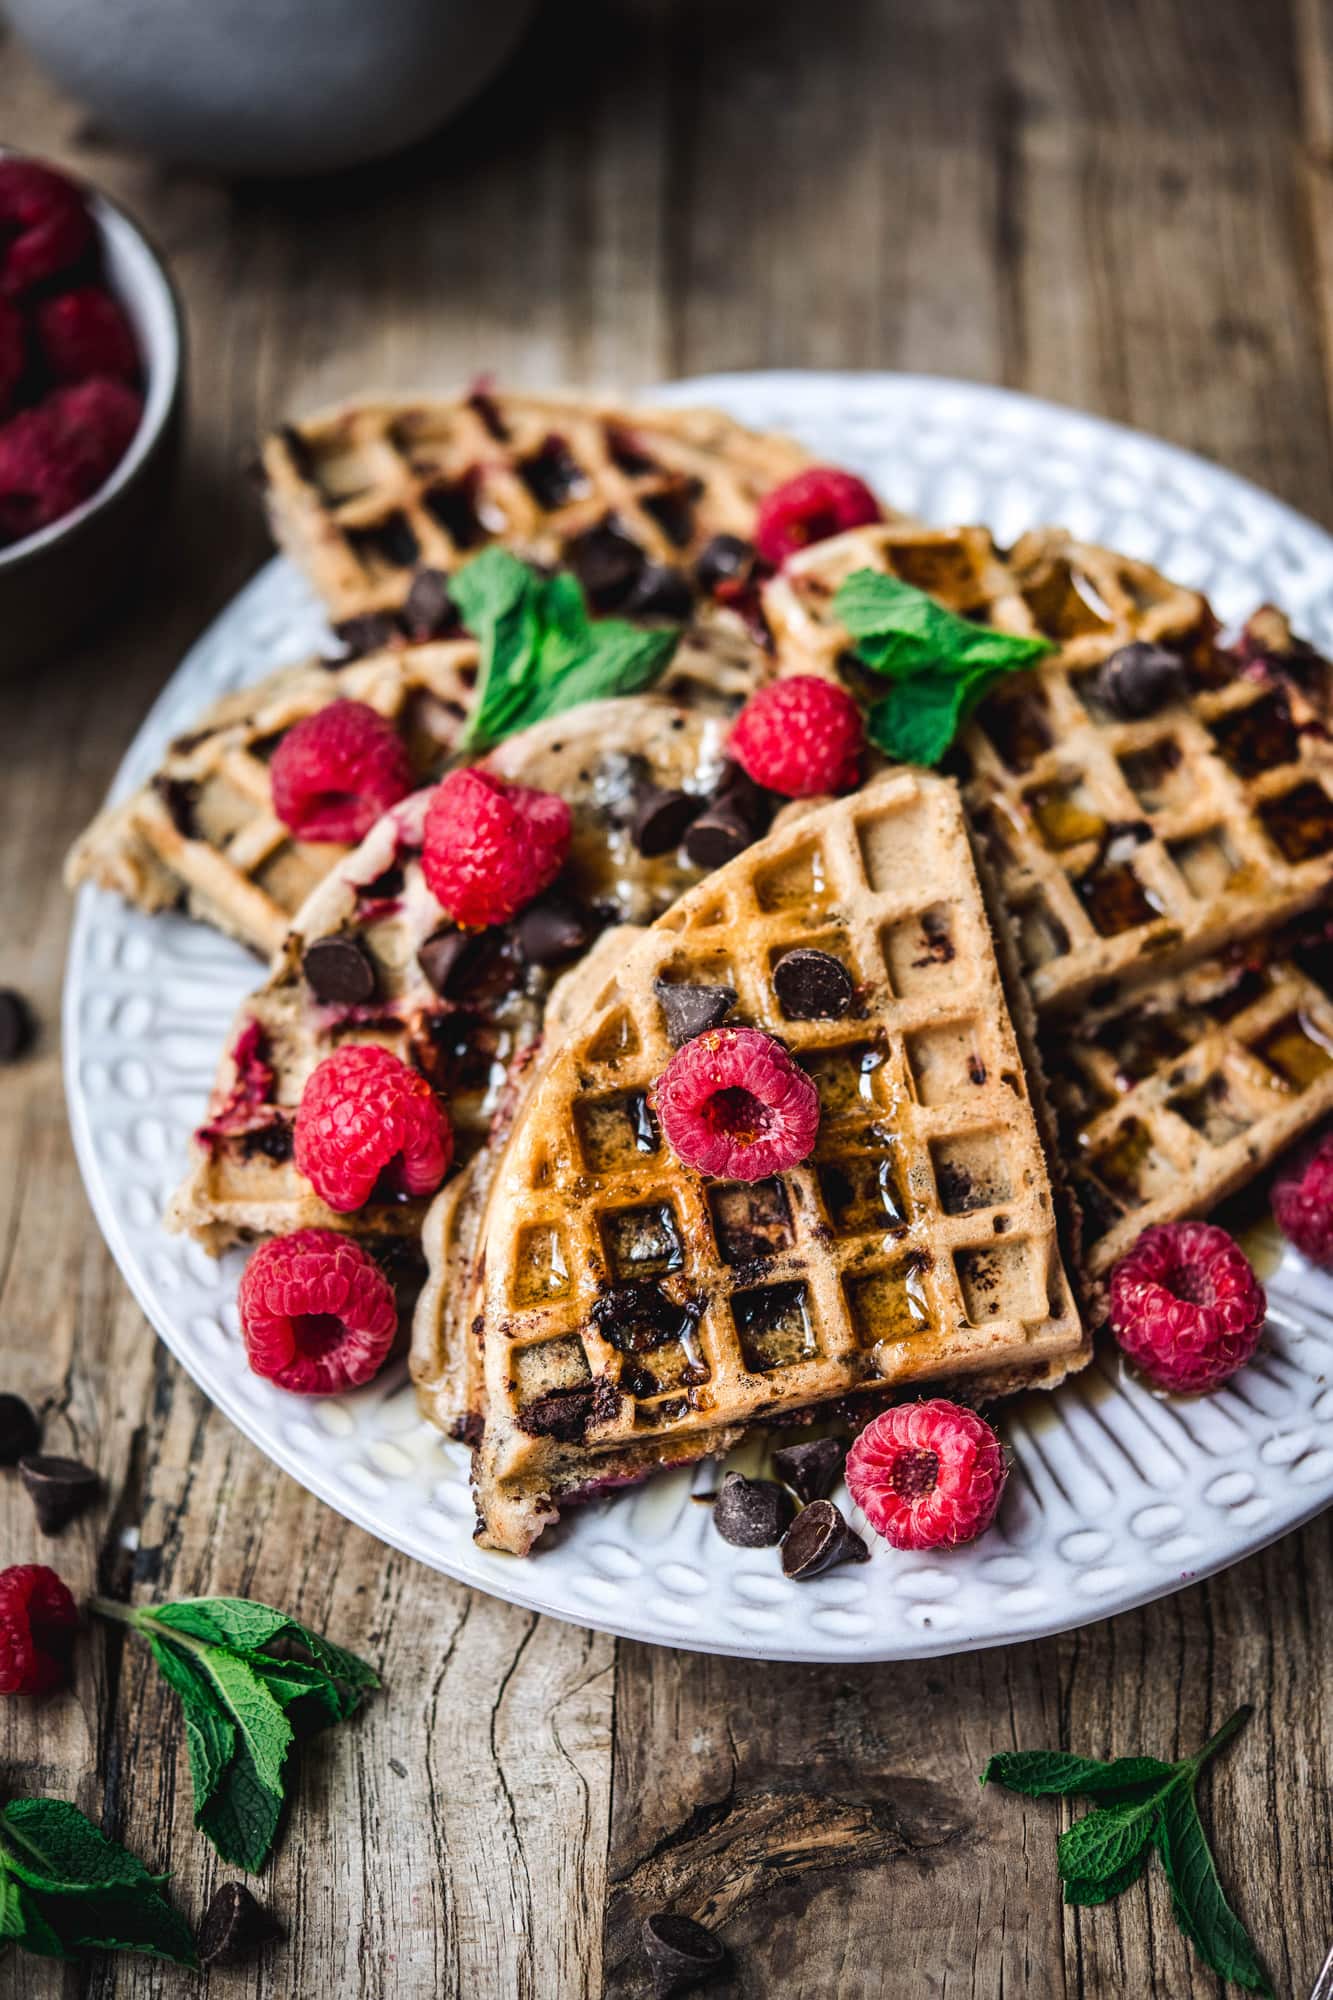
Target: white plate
(1117, 1496)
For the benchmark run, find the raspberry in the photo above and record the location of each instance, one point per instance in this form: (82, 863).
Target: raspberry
(735, 1105)
(55, 456)
(336, 771)
(1303, 1202)
(85, 332)
(810, 508)
(317, 1312)
(1186, 1307)
(44, 225)
(800, 737)
(367, 1125)
(38, 1620)
(927, 1475)
(490, 847)
(13, 354)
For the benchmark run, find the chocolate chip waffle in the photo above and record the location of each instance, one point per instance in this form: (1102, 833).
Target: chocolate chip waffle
(370, 957)
(203, 832)
(1146, 796)
(636, 1315)
(371, 498)
(1174, 1099)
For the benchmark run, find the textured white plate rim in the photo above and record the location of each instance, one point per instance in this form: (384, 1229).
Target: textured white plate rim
(522, 1584)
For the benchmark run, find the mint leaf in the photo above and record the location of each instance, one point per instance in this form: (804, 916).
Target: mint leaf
(901, 631)
(1041, 1773)
(65, 1888)
(1102, 1891)
(1201, 1908)
(116, 1921)
(51, 1845)
(1106, 1840)
(243, 1815)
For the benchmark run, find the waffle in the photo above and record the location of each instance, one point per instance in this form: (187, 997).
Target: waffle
(368, 497)
(1121, 849)
(1175, 1099)
(918, 1244)
(242, 1182)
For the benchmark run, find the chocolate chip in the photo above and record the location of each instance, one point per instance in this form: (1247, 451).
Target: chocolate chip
(16, 1025)
(607, 564)
(20, 1431)
(692, 1010)
(442, 956)
(660, 820)
(818, 1539)
(429, 609)
(234, 1926)
(1139, 679)
(552, 929)
(659, 591)
(724, 559)
(718, 835)
(637, 1318)
(340, 969)
(552, 474)
(681, 1953)
(370, 632)
(812, 985)
(752, 1513)
(273, 1142)
(59, 1488)
(810, 1468)
(561, 1413)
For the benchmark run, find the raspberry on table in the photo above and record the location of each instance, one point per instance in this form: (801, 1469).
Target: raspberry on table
(317, 1313)
(801, 737)
(490, 846)
(38, 1620)
(56, 455)
(335, 772)
(45, 226)
(86, 332)
(1186, 1307)
(1303, 1202)
(368, 1126)
(927, 1475)
(13, 354)
(810, 507)
(734, 1104)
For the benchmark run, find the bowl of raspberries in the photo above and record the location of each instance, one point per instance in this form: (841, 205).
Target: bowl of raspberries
(91, 383)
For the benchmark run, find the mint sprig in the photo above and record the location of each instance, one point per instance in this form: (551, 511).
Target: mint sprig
(940, 665)
(65, 1889)
(1143, 1806)
(245, 1706)
(540, 651)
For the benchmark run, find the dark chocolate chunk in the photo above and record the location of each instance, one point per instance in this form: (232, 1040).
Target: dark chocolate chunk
(552, 474)
(59, 1488)
(659, 591)
(20, 1432)
(234, 1926)
(607, 564)
(638, 1317)
(429, 609)
(752, 1513)
(1139, 679)
(692, 1010)
(818, 1539)
(660, 820)
(811, 1468)
(369, 632)
(340, 969)
(274, 1142)
(724, 559)
(561, 1413)
(16, 1025)
(552, 929)
(681, 1953)
(812, 985)
(442, 958)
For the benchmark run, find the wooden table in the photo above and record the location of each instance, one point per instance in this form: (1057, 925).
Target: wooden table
(1124, 204)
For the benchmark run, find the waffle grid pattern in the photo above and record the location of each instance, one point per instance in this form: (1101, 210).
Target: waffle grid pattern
(1121, 848)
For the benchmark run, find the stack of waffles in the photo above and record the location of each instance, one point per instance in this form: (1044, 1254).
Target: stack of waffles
(1112, 888)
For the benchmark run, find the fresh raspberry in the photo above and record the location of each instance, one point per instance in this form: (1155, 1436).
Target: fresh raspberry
(38, 1620)
(800, 737)
(13, 354)
(85, 332)
(809, 508)
(367, 1125)
(44, 225)
(490, 847)
(317, 1312)
(735, 1104)
(1303, 1202)
(55, 456)
(927, 1475)
(337, 770)
(1186, 1307)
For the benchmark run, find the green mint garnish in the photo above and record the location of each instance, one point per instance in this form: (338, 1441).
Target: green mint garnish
(244, 1706)
(940, 665)
(1143, 1806)
(66, 1889)
(540, 651)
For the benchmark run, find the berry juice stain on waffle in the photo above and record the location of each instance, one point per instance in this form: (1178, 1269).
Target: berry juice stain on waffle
(739, 961)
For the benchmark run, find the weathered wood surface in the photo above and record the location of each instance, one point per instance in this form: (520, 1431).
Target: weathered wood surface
(1120, 203)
